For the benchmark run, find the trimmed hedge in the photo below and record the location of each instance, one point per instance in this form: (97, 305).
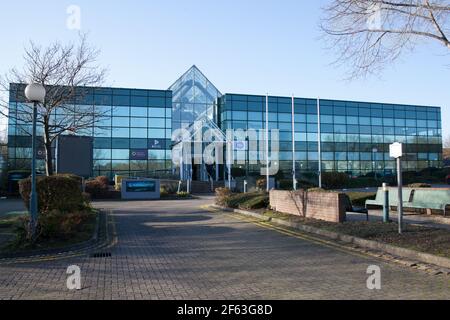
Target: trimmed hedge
(256, 202)
(59, 192)
(98, 188)
(222, 195)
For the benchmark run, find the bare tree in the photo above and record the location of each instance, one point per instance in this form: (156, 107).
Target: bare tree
(446, 151)
(65, 71)
(447, 142)
(370, 34)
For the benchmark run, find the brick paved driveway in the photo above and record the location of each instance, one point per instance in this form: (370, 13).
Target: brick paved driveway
(175, 250)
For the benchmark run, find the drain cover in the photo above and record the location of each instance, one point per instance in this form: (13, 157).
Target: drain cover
(101, 255)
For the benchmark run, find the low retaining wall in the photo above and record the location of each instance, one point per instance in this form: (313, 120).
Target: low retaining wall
(326, 206)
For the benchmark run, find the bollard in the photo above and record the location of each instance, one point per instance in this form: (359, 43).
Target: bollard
(386, 203)
(245, 186)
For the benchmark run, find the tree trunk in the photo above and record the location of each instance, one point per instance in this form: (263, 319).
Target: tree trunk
(48, 149)
(48, 159)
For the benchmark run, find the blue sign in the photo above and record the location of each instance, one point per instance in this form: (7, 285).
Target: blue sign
(157, 144)
(138, 154)
(141, 186)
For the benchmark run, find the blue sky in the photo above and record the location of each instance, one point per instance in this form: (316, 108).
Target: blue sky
(250, 46)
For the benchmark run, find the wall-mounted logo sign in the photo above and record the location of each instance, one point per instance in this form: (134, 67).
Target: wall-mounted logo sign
(40, 154)
(157, 144)
(138, 154)
(240, 145)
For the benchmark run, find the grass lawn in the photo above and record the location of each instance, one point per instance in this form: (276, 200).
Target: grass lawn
(10, 223)
(428, 240)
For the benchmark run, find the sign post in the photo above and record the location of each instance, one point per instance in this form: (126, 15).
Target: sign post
(386, 203)
(396, 152)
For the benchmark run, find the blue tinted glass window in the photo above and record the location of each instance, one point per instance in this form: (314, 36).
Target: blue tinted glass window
(138, 133)
(102, 143)
(340, 111)
(339, 119)
(326, 119)
(156, 154)
(138, 112)
(353, 129)
(300, 118)
(121, 100)
(120, 154)
(365, 121)
(340, 129)
(121, 132)
(139, 101)
(327, 128)
(352, 120)
(139, 122)
(121, 111)
(240, 115)
(121, 122)
(284, 117)
(255, 116)
(138, 143)
(364, 112)
(102, 154)
(377, 121)
(157, 112)
(158, 102)
(365, 129)
(156, 133)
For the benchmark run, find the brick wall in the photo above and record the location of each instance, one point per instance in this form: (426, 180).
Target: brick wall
(327, 206)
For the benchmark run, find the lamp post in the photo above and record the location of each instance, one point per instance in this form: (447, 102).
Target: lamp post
(34, 93)
(374, 163)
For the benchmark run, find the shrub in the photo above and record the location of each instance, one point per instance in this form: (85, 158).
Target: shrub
(222, 195)
(183, 194)
(98, 188)
(419, 185)
(335, 180)
(170, 187)
(256, 202)
(53, 226)
(261, 184)
(317, 190)
(163, 191)
(58, 192)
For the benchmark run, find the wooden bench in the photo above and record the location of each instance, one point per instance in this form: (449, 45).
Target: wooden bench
(393, 197)
(430, 199)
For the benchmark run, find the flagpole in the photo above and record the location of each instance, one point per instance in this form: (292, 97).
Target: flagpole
(319, 142)
(267, 143)
(294, 176)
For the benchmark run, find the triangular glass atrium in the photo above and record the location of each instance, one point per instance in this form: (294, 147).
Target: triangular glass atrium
(194, 97)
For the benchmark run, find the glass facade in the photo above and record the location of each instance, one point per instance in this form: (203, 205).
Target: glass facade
(194, 97)
(134, 138)
(137, 135)
(355, 136)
